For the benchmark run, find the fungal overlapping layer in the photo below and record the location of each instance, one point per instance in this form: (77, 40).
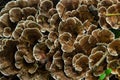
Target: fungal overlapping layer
(59, 39)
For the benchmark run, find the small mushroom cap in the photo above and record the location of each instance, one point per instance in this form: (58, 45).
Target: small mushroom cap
(114, 48)
(91, 28)
(102, 18)
(65, 37)
(66, 26)
(32, 24)
(67, 48)
(84, 13)
(19, 59)
(114, 64)
(70, 72)
(94, 58)
(98, 48)
(11, 4)
(31, 18)
(15, 14)
(55, 20)
(52, 11)
(60, 9)
(72, 25)
(7, 32)
(103, 36)
(113, 20)
(7, 58)
(102, 11)
(87, 44)
(63, 6)
(39, 52)
(103, 23)
(67, 57)
(4, 19)
(66, 41)
(49, 43)
(27, 11)
(17, 33)
(30, 35)
(57, 59)
(81, 63)
(77, 56)
(90, 76)
(105, 3)
(110, 58)
(45, 6)
(52, 36)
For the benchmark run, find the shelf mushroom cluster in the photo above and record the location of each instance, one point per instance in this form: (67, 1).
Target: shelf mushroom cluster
(59, 39)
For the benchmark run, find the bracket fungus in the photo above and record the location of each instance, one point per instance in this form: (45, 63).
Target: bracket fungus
(15, 14)
(64, 6)
(59, 39)
(114, 48)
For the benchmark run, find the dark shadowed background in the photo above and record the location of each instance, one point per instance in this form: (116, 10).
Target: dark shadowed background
(3, 2)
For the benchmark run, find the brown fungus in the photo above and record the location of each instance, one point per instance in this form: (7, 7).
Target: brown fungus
(75, 58)
(24, 61)
(18, 30)
(72, 25)
(90, 76)
(67, 57)
(66, 42)
(105, 3)
(66, 5)
(114, 48)
(31, 18)
(91, 28)
(39, 52)
(4, 19)
(86, 45)
(49, 44)
(54, 21)
(103, 36)
(52, 36)
(69, 71)
(113, 20)
(102, 18)
(32, 24)
(98, 48)
(57, 60)
(52, 11)
(45, 6)
(22, 3)
(114, 64)
(28, 11)
(11, 5)
(81, 64)
(19, 59)
(15, 14)
(84, 13)
(7, 67)
(61, 40)
(30, 35)
(7, 32)
(94, 59)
